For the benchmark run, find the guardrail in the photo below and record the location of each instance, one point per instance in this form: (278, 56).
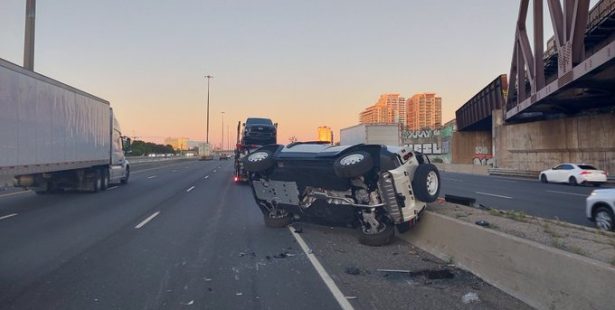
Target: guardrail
(513, 172)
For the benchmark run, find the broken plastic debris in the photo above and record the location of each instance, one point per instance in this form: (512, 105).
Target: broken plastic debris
(482, 223)
(207, 279)
(299, 230)
(470, 297)
(238, 293)
(190, 303)
(350, 297)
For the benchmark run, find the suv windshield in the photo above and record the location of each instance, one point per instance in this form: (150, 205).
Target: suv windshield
(259, 121)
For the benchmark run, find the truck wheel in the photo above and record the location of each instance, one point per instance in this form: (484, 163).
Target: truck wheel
(124, 180)
(426, 183)
(97, 182)
(383, 237)
(353, 165)
(277, 220)
(105, 180)
(258, 161)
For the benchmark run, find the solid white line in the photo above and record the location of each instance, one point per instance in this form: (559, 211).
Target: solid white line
(13, 194)
(566, 193)
(494, 195)
(145, 221)
(151, 177)
(191, 188)
(112, 188)
(7, 216)
(337, 294)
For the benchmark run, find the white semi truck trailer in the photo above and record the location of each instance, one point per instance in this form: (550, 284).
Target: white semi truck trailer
(56, 137)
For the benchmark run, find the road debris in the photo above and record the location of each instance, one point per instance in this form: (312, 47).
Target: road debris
(482, 223)
(352, 271)
(350, 297)
(207, 279)
(190, 303)
(470, 297)
(248, 253)
(431, 274)
(239, 294)
(298, 230)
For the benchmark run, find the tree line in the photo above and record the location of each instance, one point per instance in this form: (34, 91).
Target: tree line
(140, 148)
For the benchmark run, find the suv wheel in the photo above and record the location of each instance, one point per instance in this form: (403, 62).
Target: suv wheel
(277, 219)
(258, 161)
(426, 183)
(353, 165)
(383, 237)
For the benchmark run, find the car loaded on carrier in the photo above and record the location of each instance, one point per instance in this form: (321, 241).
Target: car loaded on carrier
(372, 187)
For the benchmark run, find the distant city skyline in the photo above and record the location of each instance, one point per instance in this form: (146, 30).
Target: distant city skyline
(422, 110)
(301, 64)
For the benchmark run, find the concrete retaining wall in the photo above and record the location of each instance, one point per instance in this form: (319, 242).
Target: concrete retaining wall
(471, 147)
(463, 168)
(541, 145)
(543, 277)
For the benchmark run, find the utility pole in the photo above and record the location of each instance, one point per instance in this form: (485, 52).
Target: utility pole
(209, 77)
(222, 139)
(28, 51)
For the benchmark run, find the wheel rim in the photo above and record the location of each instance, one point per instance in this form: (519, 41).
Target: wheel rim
(258, 156)
(572, 181)
(432, 183)
(604, 220)
(351, 159)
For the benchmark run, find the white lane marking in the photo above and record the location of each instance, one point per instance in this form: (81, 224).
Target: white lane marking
(337, 294)
(145, 221)
(494, 195)
(206, 177)
(191, 188)
(151, 177)
(567, 193)
(13, 194)
(112, 188)
(7, 216)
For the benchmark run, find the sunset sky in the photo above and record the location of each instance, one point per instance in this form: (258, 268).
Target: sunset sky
(301, 63)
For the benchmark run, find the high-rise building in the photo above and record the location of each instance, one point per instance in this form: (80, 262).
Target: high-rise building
(325, 134)
(424, 110)
(178, 144)
(389, 109)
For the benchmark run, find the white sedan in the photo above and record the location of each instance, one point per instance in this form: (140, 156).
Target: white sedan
(600, 208)
(574, 174)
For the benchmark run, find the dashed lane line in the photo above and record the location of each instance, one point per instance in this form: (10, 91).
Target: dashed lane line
(494, 195)
(7, 216)
(145, 221)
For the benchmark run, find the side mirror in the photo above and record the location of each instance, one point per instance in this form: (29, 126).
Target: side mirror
(126, 145)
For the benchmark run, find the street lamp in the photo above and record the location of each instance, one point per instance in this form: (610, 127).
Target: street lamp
(222, 140)
(209, 77)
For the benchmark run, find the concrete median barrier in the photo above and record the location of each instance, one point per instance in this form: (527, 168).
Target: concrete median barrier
(541, 276)
(464, 168)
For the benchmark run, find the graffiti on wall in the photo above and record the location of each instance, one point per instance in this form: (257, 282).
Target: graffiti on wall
(482, 156)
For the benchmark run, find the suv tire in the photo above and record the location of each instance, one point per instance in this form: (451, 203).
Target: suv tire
(426, 183)
(384, 237)
(258, 161)
(353, 165)
(277, 222)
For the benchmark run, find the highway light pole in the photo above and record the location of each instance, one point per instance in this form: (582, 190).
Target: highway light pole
(222, 140)
(28, 50)
(208, 77)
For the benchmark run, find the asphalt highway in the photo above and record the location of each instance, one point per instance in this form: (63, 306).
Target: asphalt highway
(182, 235)
(553, 201)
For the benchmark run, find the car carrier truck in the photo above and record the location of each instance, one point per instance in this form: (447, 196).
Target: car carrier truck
(56, 137)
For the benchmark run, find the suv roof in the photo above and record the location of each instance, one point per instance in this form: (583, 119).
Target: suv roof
(258, 121)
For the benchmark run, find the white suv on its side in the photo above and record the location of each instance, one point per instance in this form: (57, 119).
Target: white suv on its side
(600, 207)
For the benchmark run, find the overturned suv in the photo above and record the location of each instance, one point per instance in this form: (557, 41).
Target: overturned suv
(371, 187)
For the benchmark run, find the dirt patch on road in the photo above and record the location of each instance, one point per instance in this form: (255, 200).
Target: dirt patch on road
(572, 238)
